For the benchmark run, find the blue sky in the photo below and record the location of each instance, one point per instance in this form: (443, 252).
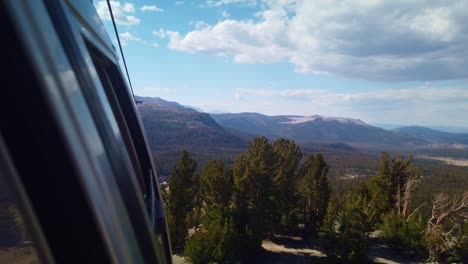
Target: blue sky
(402, 62)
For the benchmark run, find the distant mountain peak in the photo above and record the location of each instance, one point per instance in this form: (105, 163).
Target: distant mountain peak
(172, 124)
(434, 136)
(315, 128)
(304, 119)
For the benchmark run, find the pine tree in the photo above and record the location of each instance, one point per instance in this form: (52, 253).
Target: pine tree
(344, 233)
(253, 199)
(285, 182)
(216, 184)
(216, 239)
(315, 192)
(380, 187)
(393, 187)
(354, 226)
(240, 196)
(328, 235)
(183, 188)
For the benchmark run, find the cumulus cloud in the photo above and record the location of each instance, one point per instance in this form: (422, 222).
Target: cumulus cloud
(122, 13)
(366, 39)
(152, 8)
(161, 33)
(214, 3)
(127, 36)
(424, 94)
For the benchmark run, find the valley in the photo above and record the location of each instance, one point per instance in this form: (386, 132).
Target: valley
(351, 146)
(447, 160)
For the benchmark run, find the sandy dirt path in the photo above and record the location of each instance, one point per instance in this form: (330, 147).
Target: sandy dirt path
(282, 249)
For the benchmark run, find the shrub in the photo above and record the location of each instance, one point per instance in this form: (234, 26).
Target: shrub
(408, 234)
(216, 241)
(459, 252)
(344, 233)
(197, 248)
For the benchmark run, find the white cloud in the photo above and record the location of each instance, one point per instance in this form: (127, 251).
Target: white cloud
(199, 24)
(128, 36)
(157, 91)
(160, 33)
(214, 3)
(244, 40)
(179, 2)
(424, 93)
(375, 40)
(122, 13)
(415, 105)
(151, 8)
(224, 14)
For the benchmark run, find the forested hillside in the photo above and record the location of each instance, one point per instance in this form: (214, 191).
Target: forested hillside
(273, 189)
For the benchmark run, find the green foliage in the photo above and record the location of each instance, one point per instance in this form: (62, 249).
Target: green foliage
(197, 248)
(447, 179)
(290, 221)
(393, 187)
(328, 234)
(253, 199)
(344, 234)
(264, 192)
(216, 184)
(182, 193)
(407, 234)
(315, 192)
(216, 241)
(285, 182)
(459, 252)
(355, 225)
(380, 187)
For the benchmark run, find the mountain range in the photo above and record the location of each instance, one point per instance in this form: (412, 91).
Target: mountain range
(172, 124)
(434, 136)
(315, 128)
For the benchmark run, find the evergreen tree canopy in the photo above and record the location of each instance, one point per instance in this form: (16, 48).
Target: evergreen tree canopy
(216, 184)
(315, 192)
(253, 178)
(285, 181)
(393, 186)
(183, 188)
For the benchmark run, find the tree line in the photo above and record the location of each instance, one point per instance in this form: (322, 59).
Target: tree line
(223, 214)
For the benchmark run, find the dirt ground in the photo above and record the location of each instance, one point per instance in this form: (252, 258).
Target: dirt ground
(14, 255)
(289, 249)
(282, 249)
